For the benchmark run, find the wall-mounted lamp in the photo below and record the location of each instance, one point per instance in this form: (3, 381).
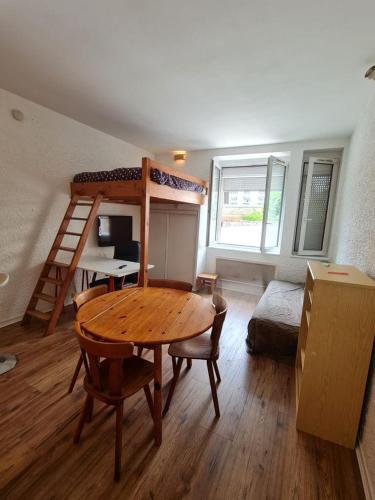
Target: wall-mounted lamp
(370, 73)
(179, 155)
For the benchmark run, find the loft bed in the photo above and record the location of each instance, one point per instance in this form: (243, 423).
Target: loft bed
(129, 185)
(153, 182)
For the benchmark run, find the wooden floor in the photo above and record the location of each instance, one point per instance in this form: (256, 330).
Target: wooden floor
(252, 452)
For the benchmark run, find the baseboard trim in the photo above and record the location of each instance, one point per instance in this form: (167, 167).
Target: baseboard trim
(242, 287)
(17, 319)
(10, 321)
(365, 476)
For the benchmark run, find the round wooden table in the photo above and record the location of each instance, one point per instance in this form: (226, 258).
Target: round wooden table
(148, 316)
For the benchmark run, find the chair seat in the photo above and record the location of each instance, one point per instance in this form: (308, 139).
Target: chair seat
(196, 348)
(137, 373)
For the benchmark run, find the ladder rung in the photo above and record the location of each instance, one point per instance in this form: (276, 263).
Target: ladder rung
(71, 234)
(57, 264)
(45, 297)
(78, 218)
(38, 314)
(66, 249)
(53, 281)
(84, 204)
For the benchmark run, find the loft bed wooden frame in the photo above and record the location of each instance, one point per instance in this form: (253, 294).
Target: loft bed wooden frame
(142, 192)
(91, 194)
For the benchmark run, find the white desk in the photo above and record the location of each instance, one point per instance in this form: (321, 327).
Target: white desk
(109, 267)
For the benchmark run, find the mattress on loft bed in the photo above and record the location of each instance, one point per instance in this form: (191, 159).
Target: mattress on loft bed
(135, 174)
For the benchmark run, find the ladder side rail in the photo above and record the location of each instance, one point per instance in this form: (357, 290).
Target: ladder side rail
(59, 304)
(52, 254)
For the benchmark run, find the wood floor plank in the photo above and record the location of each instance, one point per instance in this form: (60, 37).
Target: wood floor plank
(252, 452)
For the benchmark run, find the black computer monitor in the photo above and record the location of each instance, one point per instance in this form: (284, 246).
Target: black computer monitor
(114, 229)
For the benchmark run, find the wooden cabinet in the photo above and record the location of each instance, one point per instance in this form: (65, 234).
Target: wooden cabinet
(176, 242)
(334, 351)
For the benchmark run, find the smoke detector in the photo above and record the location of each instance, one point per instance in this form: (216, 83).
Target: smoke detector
(370, 73)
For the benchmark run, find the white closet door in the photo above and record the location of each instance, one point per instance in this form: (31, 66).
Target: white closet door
(158, 244)
(181, 248)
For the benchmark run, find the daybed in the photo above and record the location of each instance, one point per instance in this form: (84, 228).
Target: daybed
(273, 327)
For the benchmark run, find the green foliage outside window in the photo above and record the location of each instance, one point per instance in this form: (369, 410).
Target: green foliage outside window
(274, 206)
(256, 214)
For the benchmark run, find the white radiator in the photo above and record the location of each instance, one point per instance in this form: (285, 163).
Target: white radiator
(244, 276)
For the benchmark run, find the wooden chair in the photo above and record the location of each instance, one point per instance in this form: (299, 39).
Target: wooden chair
(112, 375)
(177, 285)
(206, 347)
(78, 300)
(209, 279)
(162, 283)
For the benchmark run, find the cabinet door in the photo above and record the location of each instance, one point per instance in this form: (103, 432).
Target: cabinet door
(158, 244)
(182, 247)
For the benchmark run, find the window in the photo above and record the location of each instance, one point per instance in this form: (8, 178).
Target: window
(233, 198)
(246, 204)
(315, 206)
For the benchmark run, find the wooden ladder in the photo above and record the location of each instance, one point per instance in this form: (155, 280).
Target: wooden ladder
(64, 273)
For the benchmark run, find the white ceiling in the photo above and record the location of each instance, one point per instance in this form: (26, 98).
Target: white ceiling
(180, 74)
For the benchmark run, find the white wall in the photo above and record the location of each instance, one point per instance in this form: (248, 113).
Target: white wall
(38, 158)
(288, 267)
(356, 244)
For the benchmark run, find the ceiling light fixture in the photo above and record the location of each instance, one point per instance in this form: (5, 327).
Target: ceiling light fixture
(370, 73)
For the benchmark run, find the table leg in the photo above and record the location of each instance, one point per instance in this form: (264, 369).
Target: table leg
(157, 394)
(111, 284)
(85, 278)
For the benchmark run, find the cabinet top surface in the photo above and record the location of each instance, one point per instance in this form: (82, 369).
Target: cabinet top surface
(339, 273)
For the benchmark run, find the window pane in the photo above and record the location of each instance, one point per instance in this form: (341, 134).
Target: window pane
(243, 201)
(274, 205)
(300, 206)
(314, 206)
(318, 207)
(215, 184)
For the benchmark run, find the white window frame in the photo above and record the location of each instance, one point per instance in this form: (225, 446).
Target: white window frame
(263, 249)
(215, 167)
(329, 216)
(271, 162)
